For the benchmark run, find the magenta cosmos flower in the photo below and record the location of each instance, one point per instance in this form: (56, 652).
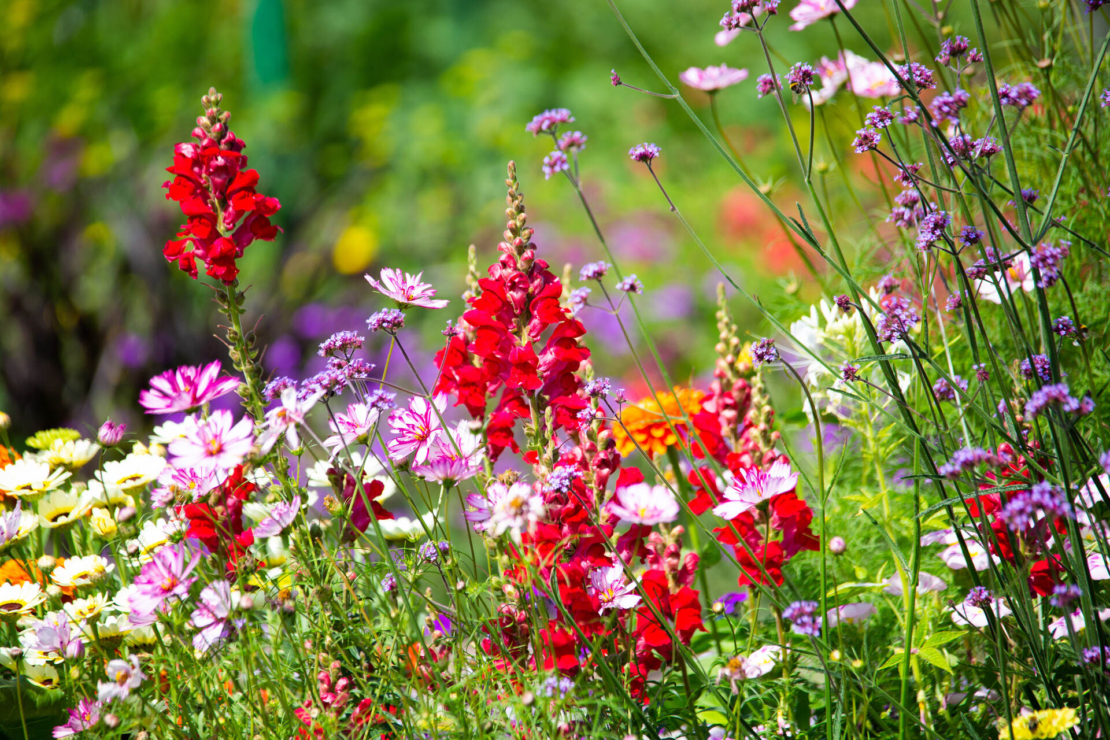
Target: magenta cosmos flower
(123, 675)
(712, 79)
(416, 429)
(809, 12)
(753, 486)
(353, 426)
(640, 503)
(212, 444)
(165, 577)
(405, 289)
(85, 716)
(186, 388)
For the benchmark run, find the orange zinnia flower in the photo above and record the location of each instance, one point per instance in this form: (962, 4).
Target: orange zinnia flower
(647, 425)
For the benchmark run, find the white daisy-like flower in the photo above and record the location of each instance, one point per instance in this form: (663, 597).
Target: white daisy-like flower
(30, 479)
(19, 599)
(141, 637)
(70, 454)
(44, 675)
(80, 610)
(404, 528)
(103, 523)
(154, 535)
(97, 495)
(84, 571)
(108, 628)
(130, 473)
(59, 508)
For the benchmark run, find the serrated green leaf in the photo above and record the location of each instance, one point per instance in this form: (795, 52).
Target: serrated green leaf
(893, 660)
(935, 657)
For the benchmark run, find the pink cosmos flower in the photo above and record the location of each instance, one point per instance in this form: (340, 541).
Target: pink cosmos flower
(1018, 277)
(52, 638)
(85, 716)
(281, 516)
(186, 388)
(285, 419)
(640, 503)
(712, 79)
(926, 582)
(850, 614)
(194, 483)
(211, 618)
(452, 462)
(215, 443)
(865, 79)
(164, 577)
(123, 676)
(809, 12)
(966, 614)
(415, 429)
(405, 289)
(1059, 627)
(954, 558)
(608, 585)
(514, 509)
(353, 426)
(754, 486)
(1096, 564)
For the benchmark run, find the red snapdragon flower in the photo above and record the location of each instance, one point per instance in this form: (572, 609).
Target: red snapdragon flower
(217, 195)
(218, 523)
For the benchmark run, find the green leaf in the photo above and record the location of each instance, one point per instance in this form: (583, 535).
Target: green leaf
(850, 590)
(893, 660)
(942, 638)
(936, 657)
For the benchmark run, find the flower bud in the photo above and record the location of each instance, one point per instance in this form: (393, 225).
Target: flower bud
(837, 545)
(111, 721)
(246, 602)
(125, 514)
(5, 422)
(110, 434)
(46, 563)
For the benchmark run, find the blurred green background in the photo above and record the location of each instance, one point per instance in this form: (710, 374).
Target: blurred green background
(384, 129)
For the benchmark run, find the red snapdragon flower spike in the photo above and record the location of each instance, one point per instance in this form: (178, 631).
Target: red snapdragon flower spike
(217, 195)
(502, 353)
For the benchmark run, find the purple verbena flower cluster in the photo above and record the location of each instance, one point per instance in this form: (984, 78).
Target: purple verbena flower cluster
(804, 618)
(965, 459)
(1047, 258)
(1025, 508)
(764, 351)
(341, 343)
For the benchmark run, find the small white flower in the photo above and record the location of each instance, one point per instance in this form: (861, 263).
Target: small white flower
(30, 479)
(69, 454)
(83, 571)
(59, 508)
(130, 473)
(640, 503)
(966, 614)
(18, 599)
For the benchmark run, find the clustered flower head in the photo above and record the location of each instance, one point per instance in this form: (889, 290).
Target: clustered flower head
(389, 320)
(555, 163)
(965, 459)
(867, 140)
(944, 391)
(1020, 96)
(1025, 508)
(1058, 395)
(1048, 258)
(549, 121)
(1063, 326)
(803, 618)
(644, 153)
(765, 85)
(631, 284)
(800, 77)
(593, 271)
(764, 351)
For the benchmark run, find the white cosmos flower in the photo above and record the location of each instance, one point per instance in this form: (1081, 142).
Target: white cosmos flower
(850, 614)
(640, 503)
(30, 479)
(966, 614)
(754, 486)
(926, 582)
(1059, 628)
(953, 556)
